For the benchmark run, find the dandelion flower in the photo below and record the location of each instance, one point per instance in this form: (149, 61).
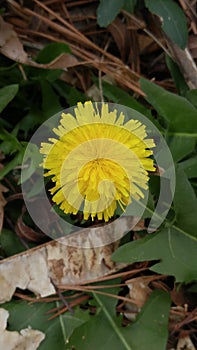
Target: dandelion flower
(97, 161)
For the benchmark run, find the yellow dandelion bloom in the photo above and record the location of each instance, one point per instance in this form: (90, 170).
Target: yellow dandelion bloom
(97, 161)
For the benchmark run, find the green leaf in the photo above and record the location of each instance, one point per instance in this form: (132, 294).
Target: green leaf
(7, 94)
(35, 159)
(176, 252)
(107, 11)
(10, 243)
(71, 95)
(173, 19)
(189, 167)
(17, 160)
(192, 96)
(32, 119)
(99, 327)
(177, 76)
(51, 51)
(37, 74)
(177, 111)
(57, 331)
(74, 96)
(105, 329)
(150, 206)
(118, 95)
(185, 204)
(36, 189)
(10, 143)
(180, 146)
(129, 5)
(150, 331)
(50, 100)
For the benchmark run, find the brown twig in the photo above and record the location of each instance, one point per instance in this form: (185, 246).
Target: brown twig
(61, 296)
(186, 63)
(85, 49)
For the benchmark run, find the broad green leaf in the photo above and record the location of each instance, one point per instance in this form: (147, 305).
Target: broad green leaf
(7, 94)
(51, 51)
(180, 146)
(176, 252)
(185, 204)
(189, 167)
(74, 96)
(57, 331)
(192, 96)
(49, 74)
(177, 76)
(117, 95)
(107, 11)
(71, 95)
(173, 20)
(129, 5)
(102, 328)
(10, 243)
(149, 331)
(150, 207)
(177, 111)
(50, 100)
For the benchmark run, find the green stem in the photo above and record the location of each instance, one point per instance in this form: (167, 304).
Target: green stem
(113, 324)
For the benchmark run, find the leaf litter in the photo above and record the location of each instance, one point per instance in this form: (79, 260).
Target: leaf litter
(26, 31)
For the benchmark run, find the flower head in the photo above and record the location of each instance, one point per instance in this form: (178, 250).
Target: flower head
(97, 161)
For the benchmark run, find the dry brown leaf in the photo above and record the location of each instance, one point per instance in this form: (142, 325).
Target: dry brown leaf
(26, 339)
(185, 343)
(11, 47)
(2, 204)
(58, 28)
(146, 44)
(121, 36)
(63, 61)
(139, 290)
(26, 232)
(63, 261)
(178, 296)
(10, 44)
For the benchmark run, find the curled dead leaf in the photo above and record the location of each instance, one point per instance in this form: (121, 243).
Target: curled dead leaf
(10, 44)
(26, 232)
(63, 61)
(11, 47)
(121, 36)
(139, 292)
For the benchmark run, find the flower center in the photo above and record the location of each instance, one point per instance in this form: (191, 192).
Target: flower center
(105, 180)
